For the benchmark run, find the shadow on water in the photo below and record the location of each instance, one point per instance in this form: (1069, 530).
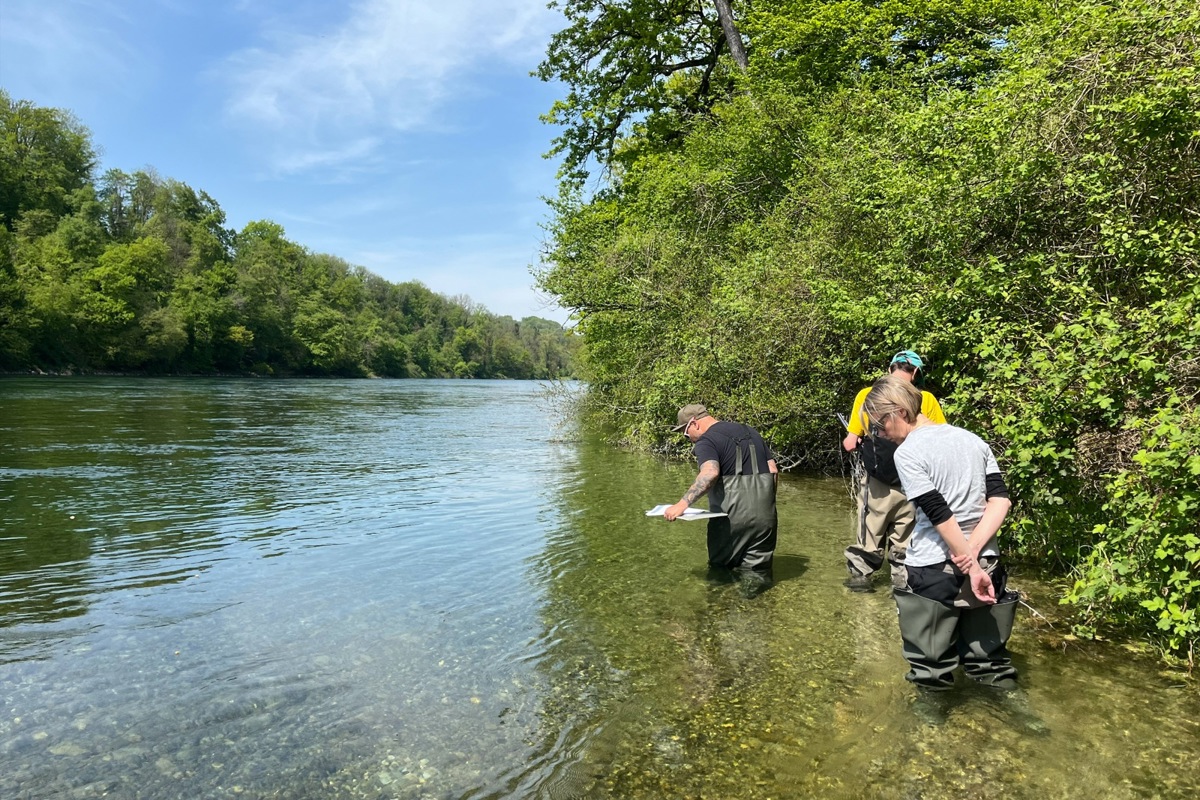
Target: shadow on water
(373, 590)
(788, 566)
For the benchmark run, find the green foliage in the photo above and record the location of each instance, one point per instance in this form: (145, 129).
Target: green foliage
(140, 274)
(45, 156)
(1010, 188)
(934, 43)
(1145, 566)
(628, 61)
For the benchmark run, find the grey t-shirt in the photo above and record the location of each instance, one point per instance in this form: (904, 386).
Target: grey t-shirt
(953, 461)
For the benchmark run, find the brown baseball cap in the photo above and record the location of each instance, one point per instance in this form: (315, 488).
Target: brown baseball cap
(688, 413)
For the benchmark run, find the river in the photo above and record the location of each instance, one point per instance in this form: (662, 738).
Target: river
(219, 588)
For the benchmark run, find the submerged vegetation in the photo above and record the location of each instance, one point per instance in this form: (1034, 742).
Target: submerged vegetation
(1011, 187)
(137, 273)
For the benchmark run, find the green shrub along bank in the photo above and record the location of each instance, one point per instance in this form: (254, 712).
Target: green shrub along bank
(1011, 188)
(136, 273)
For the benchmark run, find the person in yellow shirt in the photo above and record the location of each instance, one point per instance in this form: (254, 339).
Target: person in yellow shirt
(884, 514)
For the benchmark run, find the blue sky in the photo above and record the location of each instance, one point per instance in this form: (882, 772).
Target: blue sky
(400, 135)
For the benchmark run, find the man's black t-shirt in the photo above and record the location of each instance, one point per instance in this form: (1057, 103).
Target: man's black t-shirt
(719, 443)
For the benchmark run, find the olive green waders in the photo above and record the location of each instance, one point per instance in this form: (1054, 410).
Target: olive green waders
(746, 538)
(983, 642)
(938, 637)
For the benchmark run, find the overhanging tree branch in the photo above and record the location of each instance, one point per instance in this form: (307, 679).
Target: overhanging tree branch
(626, 60)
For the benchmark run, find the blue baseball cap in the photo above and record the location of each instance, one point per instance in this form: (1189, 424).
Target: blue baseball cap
(908, 357)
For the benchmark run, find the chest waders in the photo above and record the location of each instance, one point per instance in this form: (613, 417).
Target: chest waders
(938, 637)
(746, 538)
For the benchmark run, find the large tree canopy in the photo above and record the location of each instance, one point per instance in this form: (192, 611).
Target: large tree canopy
(45, 155)
(624, 61)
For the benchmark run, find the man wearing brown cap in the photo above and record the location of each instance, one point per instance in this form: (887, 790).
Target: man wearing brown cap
(739, 474)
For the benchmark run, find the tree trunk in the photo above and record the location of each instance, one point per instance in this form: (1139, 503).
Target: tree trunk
(736, 48)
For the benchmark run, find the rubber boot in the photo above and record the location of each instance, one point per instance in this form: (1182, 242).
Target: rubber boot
(928, 629)
(1017, 710)
(933, 707)
(753, 582)
(982, 636)
(857, 582)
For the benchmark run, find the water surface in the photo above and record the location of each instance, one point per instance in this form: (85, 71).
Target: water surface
(440, 589)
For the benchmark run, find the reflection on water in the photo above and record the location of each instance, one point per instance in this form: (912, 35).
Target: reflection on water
(409, 589)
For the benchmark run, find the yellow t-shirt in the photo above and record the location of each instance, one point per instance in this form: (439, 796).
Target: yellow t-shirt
(929, 407)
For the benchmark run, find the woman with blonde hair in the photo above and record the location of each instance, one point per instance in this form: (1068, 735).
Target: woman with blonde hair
(954, 607)
(885, 517)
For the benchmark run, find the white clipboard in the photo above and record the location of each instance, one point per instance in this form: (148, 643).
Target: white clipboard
(689, 513)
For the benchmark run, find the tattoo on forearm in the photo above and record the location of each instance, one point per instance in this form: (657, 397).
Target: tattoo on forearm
(703, 482)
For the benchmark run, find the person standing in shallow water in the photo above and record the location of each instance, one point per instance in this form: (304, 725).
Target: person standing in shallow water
(953, 605)
(885, 517)
(739, 474)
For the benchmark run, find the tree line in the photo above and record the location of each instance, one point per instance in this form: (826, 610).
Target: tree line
(1010, 187)
(132, 272)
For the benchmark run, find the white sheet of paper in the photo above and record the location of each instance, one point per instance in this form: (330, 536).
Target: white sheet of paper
(688, 513)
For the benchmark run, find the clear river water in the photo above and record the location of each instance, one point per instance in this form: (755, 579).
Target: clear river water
(217, 588)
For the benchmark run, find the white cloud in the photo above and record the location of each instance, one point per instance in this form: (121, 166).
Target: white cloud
(55, 47)
(322, 95)
(353, 151)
